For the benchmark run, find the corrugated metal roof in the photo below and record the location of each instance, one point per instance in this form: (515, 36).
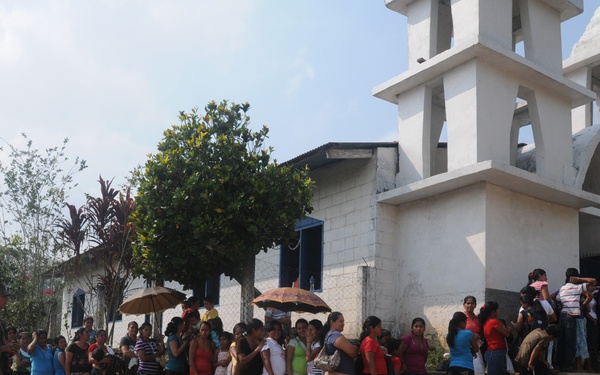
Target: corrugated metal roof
(317, 157)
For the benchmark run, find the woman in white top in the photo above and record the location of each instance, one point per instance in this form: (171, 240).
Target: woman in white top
(272, 353)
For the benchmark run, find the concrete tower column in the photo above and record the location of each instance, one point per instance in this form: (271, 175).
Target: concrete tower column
(581, 116)
(541, 34)
(486, 20)
(480, 103)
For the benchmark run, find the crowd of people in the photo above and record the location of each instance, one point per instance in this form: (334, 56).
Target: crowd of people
(197, 345)
(567, 316)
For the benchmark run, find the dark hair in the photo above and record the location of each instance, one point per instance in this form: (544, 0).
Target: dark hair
(209, 299)
(332, 318)
(417, 320)
(467, 298)
(98, 354)
(144, 325)
(132, 323)
(370, 322)
(254, 325)
(227, 335)
(41, 332)
(55, 341)
(485, 312)
(193, 300)
(533, 303)
(393, 345)
(216, 324)
(78, 334)
(301, 320)
(89, 317)
(553, 330)
(570, 273)
(454, 327)
(318, 327)
(241, 325)
(528, 289)
(98, 332)
(535, 275)
(173, 325)
(270, 325)
(186, 304)
(210, 329)
(11, 328)
(194, 314)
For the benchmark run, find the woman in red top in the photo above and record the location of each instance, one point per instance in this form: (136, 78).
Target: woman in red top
(470, 303)
(370, 350)
(495, 334)
(202, 350)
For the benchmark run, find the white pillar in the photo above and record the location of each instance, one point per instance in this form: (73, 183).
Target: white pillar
(581, 117)
(422, 30)
(541, 34)
(551, 120)
(414, 135)
(490, 20)
(480, 104)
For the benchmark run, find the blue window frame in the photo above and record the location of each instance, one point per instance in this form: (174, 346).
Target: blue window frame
(78, 308)
(303, 259)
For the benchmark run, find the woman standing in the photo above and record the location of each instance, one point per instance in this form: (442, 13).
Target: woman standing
(472, 324)
(58, 360)
(148, 350)
(335, 340)
(176, 347)
(415, 348)
(273, 355)
(372, 355)
(248, 349)
(76, 358)
(40, 354)
(101, 337)
(296, 350)
(463, 345)
(495, 334)
(313, 341)
(202, 350)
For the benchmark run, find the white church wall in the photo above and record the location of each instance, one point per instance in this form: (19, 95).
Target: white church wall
(526, 233)
(441, 256)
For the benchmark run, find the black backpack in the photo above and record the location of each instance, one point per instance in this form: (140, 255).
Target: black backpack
(533, 319)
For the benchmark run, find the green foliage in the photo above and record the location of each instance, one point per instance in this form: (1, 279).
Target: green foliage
(211, 197)
(34, 187)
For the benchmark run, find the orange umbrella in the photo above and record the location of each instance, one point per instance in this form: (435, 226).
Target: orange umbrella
(291, 299)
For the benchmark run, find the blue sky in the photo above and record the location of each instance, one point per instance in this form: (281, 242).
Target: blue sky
(113, 75)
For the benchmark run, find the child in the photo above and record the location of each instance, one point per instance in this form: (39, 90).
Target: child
(211, 312)
(110, 363)
(393, 347)
(40, 354)
(223, 357)
(216, 328)
(58, 361)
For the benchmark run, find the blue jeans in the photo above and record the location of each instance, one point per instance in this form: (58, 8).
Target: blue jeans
(567, 340)
(496, 361)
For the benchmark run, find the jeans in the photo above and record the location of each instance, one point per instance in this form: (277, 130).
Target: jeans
(496, 361)
(567, 340)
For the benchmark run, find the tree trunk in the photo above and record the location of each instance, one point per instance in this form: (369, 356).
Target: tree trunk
(247, 283)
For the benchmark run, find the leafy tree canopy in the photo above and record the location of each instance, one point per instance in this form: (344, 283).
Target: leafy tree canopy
(210, 198)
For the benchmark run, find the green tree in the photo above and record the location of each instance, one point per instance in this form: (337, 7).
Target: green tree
(34, 186)
(211, 199)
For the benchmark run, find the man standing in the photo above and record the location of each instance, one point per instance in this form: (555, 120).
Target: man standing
(6, 351)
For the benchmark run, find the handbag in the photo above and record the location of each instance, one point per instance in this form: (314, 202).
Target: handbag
(327, 362)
